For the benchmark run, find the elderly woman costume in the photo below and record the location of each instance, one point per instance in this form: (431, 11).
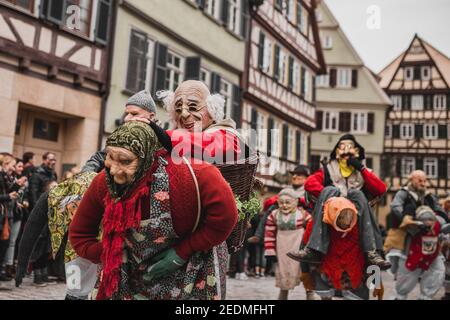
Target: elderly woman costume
(163, 224)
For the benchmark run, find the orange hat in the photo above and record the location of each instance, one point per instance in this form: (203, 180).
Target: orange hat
(333, 207)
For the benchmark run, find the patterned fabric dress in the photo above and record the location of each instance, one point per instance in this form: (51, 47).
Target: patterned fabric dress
(203, 276)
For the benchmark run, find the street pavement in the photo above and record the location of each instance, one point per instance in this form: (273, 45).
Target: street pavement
(251, 289)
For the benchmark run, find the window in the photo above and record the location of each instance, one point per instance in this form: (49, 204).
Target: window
(24, 4)
(439, 102)
(430, 131)
(261, 133)
(323, 81)
(344, 77)
(408, 165)
(275, 139)
(425, 73)
(330, 121)
(212, 7)
(174, 73)
(85, 15)
(409, 73)
(406, 131)
(388, 131)
(139, 62)
(359, 122)
(267, 57)
(417, 102)
(226, 90)
(296, 78)
(307, 86)
(45, 130)
(234, 16)
(319, 17)
(282, 65)
(397, 102)
(291, 144)
(205, 75)
(430, 166)
(327, 42)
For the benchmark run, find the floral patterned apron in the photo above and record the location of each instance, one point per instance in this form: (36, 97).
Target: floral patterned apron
(201, 278)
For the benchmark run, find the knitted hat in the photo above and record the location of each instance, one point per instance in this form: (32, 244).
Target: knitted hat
(288, 192)
(425, 213)
(144, 100)
(300, 170)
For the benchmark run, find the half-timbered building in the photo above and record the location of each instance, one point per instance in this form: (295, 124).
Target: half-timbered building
(284, 56)
(54, 59)
(418, 122)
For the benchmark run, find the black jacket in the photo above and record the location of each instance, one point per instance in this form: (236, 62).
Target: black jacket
(96, 163)
(41, 177)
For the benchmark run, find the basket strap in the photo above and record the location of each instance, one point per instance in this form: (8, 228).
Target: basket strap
(198, 193)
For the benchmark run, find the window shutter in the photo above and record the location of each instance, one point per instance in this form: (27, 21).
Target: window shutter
(225, 12)
(371, 122)
(416, 73)
(269, 136)
(333, 74)
(418, 131)
(406, 102)
(245, 17)
(253, 118)
(277, 63)
(344, 121)
(303, 81)
(285, 141)
(53, 10)
(298, 139)
(319, 119)
(215, 82)
(442, 131)
(369, 163)
(354, 78)
(201, 3)
(428, 103)
(102, 25)
(419, 164)
(291, 73)
(315, 163)
(396, 131)
(442, 168)
(398, 167)
(237, 109)
(278, 4)
(448, 102)
(262, 38)
(137, 62)
(192, 71)
(299, 14)
(313, 88)
(159, 71)
(385, 166)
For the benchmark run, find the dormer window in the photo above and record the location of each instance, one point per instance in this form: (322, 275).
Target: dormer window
(425, 73)
(409, 73)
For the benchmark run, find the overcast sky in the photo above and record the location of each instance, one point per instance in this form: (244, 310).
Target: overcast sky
(399, 21)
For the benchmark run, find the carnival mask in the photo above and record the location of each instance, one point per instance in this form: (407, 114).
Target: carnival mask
(122, 164)
(190, 106)
(287, 204)
(346, 149)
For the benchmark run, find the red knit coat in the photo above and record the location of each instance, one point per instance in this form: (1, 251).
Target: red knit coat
(373, 184)
(416, 258)
(219, 212)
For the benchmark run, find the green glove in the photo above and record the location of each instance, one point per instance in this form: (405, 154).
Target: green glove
(163, 264)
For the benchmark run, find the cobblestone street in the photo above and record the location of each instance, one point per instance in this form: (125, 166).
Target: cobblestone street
(253, 289)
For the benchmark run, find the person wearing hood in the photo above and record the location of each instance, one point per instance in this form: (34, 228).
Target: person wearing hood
(163, 225)
(345, 175)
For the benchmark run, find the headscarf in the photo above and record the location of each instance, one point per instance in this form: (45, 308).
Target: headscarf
(123, 204)
(141, 140)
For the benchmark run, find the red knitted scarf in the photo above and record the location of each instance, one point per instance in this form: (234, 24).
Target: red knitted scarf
(119, 217)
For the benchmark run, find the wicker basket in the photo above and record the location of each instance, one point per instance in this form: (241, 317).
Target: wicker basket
(241, 178)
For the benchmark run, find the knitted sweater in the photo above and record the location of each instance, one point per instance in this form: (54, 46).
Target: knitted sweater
(218, 207)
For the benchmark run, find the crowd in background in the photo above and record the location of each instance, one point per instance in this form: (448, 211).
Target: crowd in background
(22, 181)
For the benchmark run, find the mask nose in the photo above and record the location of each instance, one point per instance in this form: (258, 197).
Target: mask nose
(184, 113)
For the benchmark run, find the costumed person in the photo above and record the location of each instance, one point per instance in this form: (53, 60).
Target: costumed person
(344, 175)
(343, 266)
(163, 225)
(201, 132)
(55, 210)
(421, 260)
(284, 232)
(446, 253)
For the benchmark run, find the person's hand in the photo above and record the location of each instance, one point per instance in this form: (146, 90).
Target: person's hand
(140, 119)
(25, 204)
(13, 195)
(355, 163)
(163, 264)
(22, 181)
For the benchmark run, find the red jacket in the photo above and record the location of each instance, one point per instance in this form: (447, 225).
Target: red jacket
(219, 212)
(372, 184)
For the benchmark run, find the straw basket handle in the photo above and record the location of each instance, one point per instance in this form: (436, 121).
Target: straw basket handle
(198, 193)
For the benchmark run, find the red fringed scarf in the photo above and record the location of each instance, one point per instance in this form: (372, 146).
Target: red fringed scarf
(119, 217)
